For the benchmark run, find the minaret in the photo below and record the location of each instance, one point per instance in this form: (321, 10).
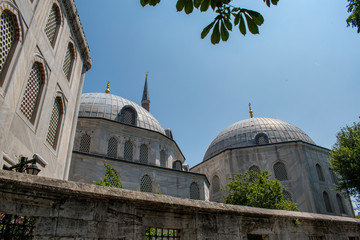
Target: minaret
(145, 102)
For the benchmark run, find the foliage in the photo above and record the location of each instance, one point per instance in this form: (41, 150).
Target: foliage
(354, 10)
(111, 179)
(345, 159)
(257, 190)
(227, 16)
(16, 227)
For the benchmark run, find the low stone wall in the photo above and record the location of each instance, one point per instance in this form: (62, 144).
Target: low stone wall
(72, 210)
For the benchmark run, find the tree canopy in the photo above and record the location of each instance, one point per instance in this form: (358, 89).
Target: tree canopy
(257, 190)
(354, 10)
(227, 16)
(345, 159)
(111, 179)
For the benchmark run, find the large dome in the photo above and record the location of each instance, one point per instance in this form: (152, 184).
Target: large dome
(108, 106)
(255, 131)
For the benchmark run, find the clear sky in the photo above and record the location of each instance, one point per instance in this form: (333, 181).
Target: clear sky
(303, 68)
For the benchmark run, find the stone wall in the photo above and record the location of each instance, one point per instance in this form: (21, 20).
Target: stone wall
(70, 210)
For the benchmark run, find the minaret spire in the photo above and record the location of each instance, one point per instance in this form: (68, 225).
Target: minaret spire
(108, 87)
(250, 111)
(145, 102)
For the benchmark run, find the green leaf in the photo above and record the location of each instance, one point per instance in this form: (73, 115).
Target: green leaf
(153, 2)
(189, 6)
(205, 5)
(197, 3)
(267, 2)
(224, 32)
(242, 27)
(144, 2)
(206, 30)
(213, 4)
(237, 19)
(180, 5)
(253, 28)
(257, 17)
(274, 2)
(228, 24)
(215, 36)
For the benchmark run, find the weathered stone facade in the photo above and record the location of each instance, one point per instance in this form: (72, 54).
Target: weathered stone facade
(70, 210)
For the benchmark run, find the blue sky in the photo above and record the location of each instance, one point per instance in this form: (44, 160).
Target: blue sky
(303, 68)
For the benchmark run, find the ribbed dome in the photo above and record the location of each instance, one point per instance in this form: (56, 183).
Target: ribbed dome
(244, 133)
(108, 106)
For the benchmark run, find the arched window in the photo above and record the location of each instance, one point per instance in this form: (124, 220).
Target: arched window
(144, 154)
(128, 151)
(146, 184)
(340, 203)
(177, 165)
(333, 176)
(194, 191)
(287, 195)
(261, 139)
(280, 171)
(320, 173)
(85, 141)
(53, 24)
(128, 116)
(112, 147)
(55, 122)
(31, 98)
(9, 37)
(327, 202)
(215, 184)
(69, 60)
(255, 169)
(162, 158)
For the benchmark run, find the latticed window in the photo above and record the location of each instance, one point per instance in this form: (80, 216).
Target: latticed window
(194, 191)
(85, 142)
(162, 158)
(7, 36)
(261, 139)
(30, 100)
(327, 202)
(112, 147)
(53, 24)
(16, 227)
(280, 171)
(255, 169)
(216, 184)
(146, 184)
(161, 233)
(54, 125)
(128, 116)
(340, 203)
(320, 173)
(69, 60)
(128, 151)
(287, 196)
(144, 154)
(177, 165)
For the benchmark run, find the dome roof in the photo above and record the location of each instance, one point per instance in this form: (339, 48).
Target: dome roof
(248, 133)
(108, 106)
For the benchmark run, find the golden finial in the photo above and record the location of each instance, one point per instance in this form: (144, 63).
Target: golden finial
(250, 111)
(107, 88)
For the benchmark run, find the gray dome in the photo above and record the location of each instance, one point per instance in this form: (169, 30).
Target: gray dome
(243, 134)
(108, 106)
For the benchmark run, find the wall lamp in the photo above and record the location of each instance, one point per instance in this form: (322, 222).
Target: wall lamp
(23, 165)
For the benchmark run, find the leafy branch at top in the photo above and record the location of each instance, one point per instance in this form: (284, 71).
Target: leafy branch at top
(227, 16)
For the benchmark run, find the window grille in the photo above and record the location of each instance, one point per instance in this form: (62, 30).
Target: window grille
(340, 203)
(7, 39)
(194, 191)
(162, 158)
(261, 139)
(128, 151)
(112, 181)
(16, 227)
(161, 233)
(30, 100)
(216, 184)
(85, 141)
(320, 173)
(146, 184)
(280, 171)
(327, 202)
(53, 24)
(69, 60)
(255, 169)
(128, 116)
(112, 147)
(287, 196)
(54, 125)
(177, 165)
(144, 153)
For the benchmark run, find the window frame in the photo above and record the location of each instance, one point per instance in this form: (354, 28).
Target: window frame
(60, 97)
(58, 27)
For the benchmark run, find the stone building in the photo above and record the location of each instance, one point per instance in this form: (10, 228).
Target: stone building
(44, 57)
(283, 149)
(144, 154)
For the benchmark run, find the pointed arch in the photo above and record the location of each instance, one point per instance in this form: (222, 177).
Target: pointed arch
(162, 158)
(112, 147)
(215, 182)
(53, 23)
(128, 151)
(194, 191)
(255, 168)
(144, 154)
(146, 184)
(55, 122)
(85, 142)
(327, 202)
(69, 60)
(280, 171)
(319, 172)
(340, 203)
